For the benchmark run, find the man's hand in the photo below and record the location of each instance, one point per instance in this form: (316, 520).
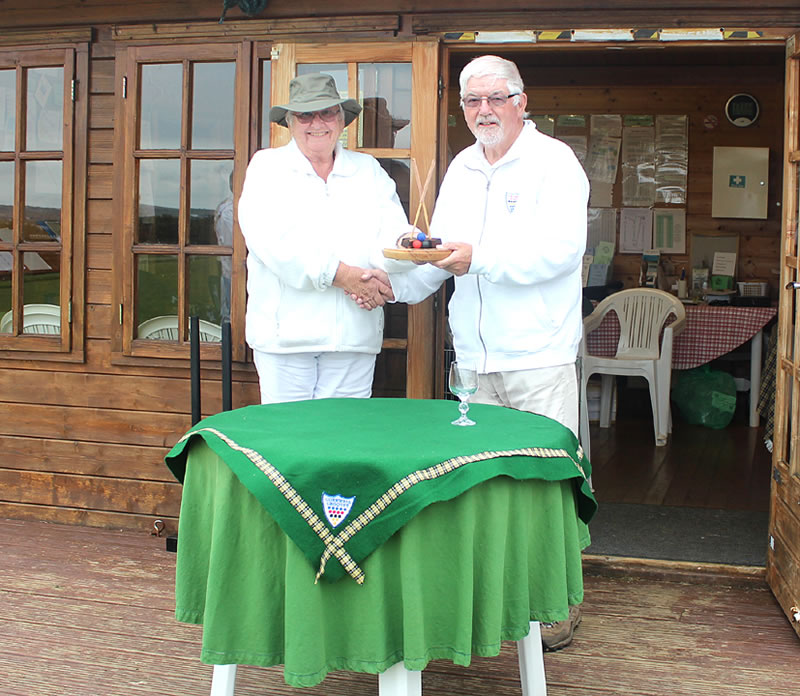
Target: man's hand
(369, 288)
(459, 261)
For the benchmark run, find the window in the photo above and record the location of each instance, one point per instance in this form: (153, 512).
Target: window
(42, 192)
(186, 134)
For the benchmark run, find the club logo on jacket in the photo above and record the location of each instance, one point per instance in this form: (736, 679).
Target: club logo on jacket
(336, 508)
(511, 201)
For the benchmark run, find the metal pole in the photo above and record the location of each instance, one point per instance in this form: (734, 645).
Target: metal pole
(226, 366)
(194, 344)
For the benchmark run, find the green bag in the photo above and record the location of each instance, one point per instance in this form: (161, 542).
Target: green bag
(705, 396)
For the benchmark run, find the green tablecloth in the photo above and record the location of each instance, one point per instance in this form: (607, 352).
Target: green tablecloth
(377, 462)
(459, 577)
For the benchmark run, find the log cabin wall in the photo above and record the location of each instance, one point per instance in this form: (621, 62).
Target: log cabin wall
(82, 440)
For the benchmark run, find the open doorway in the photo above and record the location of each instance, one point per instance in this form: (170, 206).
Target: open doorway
(705, 496)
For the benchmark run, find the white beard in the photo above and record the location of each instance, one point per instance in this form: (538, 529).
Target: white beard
(488, 137)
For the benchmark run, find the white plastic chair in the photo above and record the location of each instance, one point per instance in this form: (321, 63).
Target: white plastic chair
(165, 328)
(642, 313)
(399, 681)
(36, 319)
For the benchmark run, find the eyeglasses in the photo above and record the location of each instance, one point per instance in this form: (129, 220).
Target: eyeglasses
(494, 100)
(328, 115)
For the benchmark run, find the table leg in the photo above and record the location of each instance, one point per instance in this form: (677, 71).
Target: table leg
(531, 662)
(399, 681)
(224, 680)
(756, 347)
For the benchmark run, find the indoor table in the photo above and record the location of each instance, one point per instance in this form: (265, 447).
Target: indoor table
(356, 534)
(710, 332)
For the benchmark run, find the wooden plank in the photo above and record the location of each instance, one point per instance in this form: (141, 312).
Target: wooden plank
(155, 429)
(258, 28)
(100, 181)
(83, 518)
(48, 37)
(101, 77)
(101, 147)
(101, 111)
(98, 252)
(88, 458)
(91, 492)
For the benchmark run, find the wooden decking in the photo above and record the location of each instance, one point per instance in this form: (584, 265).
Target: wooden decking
(88, 612)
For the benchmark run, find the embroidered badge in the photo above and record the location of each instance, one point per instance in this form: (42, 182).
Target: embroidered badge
(511, 201)
(336, 508)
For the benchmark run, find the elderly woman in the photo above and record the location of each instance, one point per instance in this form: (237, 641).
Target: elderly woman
(314, 217)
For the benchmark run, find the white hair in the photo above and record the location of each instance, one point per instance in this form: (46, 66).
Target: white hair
(494, 66)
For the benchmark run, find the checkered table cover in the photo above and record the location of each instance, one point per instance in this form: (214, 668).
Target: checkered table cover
(709, 333)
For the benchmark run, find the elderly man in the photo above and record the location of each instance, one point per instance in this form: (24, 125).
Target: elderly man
(512, 207)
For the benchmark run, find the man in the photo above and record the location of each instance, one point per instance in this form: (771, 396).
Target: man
(516, 200)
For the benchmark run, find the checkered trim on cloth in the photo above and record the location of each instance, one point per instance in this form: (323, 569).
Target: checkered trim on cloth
(334, 545)
(293, 498)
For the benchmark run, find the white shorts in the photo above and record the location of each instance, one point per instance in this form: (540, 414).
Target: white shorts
(549, 391)
(300, 376)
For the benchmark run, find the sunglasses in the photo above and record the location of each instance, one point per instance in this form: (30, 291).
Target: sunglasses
(327, 115)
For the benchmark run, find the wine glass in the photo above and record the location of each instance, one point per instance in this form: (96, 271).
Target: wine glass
(463, 383)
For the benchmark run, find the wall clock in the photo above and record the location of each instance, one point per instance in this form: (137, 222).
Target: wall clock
(742, 110)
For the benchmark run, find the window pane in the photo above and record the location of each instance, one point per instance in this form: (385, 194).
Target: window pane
(399, 170)
(157, 297)
(159, 201)
(266, 100)
(212, 106)
(41, 293)
(6, 260)
(42, 214)
(8, 109)
(211, 202)
(162, 88)
(6, 201)
(206, 290)
(386, 97)
(336, 70)
(45, 109)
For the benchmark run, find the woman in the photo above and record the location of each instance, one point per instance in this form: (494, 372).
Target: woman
(314, 216)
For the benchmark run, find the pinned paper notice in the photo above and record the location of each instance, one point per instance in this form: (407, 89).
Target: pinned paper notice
(724, 263)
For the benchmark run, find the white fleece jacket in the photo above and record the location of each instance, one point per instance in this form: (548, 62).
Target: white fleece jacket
(298, 228)
(519, 306)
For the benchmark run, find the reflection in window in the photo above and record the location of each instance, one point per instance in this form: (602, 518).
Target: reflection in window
(6, 201)
(41, 291)
(212, 106)
(6, 262)
(266, 100)
(45, 123)
(156, 287)
(42, 221)
(399, 170)
(211, 202)
(8, 115)
(159, 200)
(386, 97)
(207, 289)
(161, 90)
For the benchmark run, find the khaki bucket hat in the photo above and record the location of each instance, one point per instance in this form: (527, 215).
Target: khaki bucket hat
(314, 92)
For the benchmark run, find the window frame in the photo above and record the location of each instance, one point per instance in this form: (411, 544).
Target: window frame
(131, 58)
(68, 345)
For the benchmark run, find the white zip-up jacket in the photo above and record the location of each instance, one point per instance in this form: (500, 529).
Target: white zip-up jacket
(519, 306)
(298, 228)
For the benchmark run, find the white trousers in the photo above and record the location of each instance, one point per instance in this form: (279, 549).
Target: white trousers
(300, 376)
(548, 391)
